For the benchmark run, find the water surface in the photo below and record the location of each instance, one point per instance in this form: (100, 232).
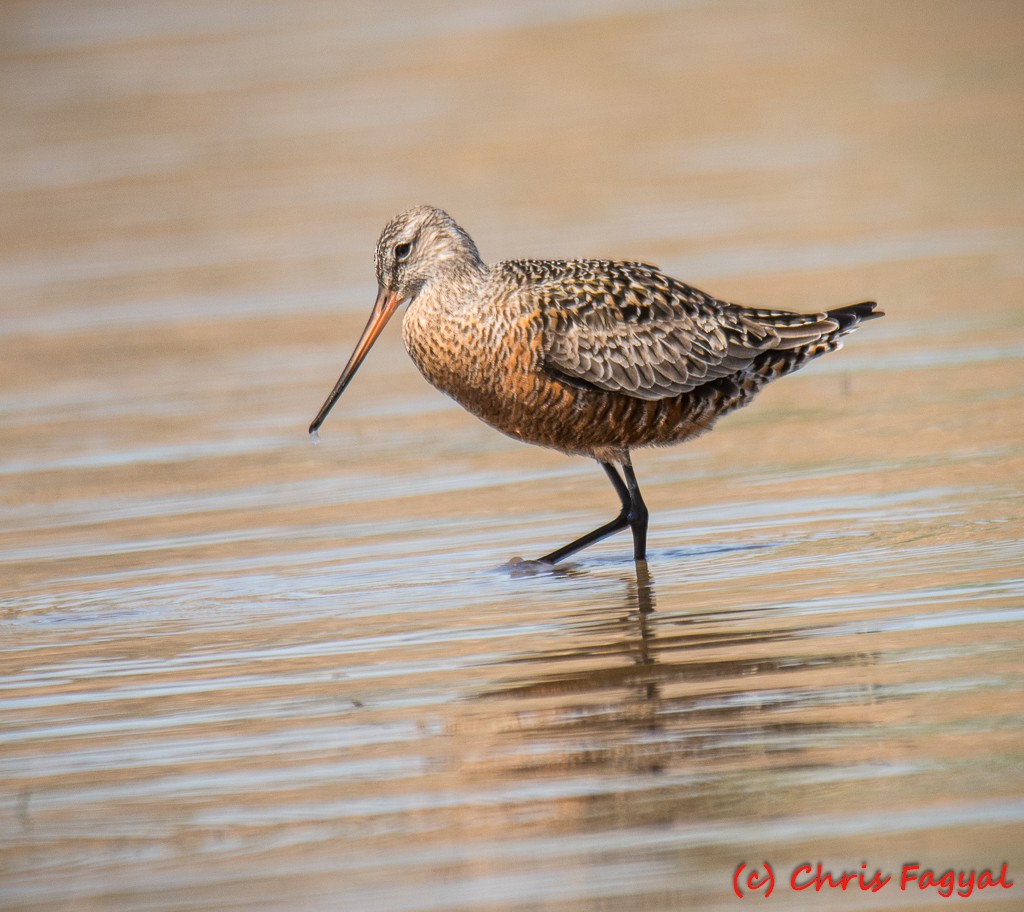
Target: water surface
(240, 672)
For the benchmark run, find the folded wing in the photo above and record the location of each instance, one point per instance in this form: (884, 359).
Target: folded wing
(628, 328)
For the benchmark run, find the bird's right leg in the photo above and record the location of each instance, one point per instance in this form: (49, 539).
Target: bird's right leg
(632, 514)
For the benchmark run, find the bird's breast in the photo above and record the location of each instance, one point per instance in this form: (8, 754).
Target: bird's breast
(487, 359)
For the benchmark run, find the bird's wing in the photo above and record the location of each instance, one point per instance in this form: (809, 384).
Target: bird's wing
(628, 328)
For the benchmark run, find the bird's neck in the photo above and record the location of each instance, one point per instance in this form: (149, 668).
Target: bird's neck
(441, 323)
(458, 286)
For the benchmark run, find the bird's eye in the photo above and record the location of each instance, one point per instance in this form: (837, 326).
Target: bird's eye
(402, 251)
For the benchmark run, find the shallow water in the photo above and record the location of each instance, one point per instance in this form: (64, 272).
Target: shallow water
(243, 672)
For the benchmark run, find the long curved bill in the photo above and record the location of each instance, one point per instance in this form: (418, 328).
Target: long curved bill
(386, 304)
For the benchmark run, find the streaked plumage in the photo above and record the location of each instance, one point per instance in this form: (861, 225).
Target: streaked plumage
(589, 357)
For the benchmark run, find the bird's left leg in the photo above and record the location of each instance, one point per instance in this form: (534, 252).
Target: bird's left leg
(632, 514)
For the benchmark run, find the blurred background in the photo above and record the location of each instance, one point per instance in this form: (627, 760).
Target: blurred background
(243, 673)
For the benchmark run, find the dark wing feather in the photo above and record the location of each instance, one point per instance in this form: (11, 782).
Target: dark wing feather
(628, 328)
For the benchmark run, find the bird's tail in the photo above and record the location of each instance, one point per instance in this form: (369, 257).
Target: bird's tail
(851, 315)
(807, 336)
(803, 337)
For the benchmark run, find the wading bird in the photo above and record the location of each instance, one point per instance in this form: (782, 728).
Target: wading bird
(589, 357)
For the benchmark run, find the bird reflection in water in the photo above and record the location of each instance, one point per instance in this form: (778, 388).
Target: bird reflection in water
(655, 690)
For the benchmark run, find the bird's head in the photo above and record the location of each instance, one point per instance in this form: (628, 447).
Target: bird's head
(419, 246)
(416, 248)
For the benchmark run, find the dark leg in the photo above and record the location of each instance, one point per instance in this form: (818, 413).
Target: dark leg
(633, 514)
(637, 512)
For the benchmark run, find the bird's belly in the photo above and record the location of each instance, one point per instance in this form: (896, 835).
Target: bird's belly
(541, 410)
(597, 423)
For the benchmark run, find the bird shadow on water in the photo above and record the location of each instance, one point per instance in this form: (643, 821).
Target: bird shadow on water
(634, 686)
